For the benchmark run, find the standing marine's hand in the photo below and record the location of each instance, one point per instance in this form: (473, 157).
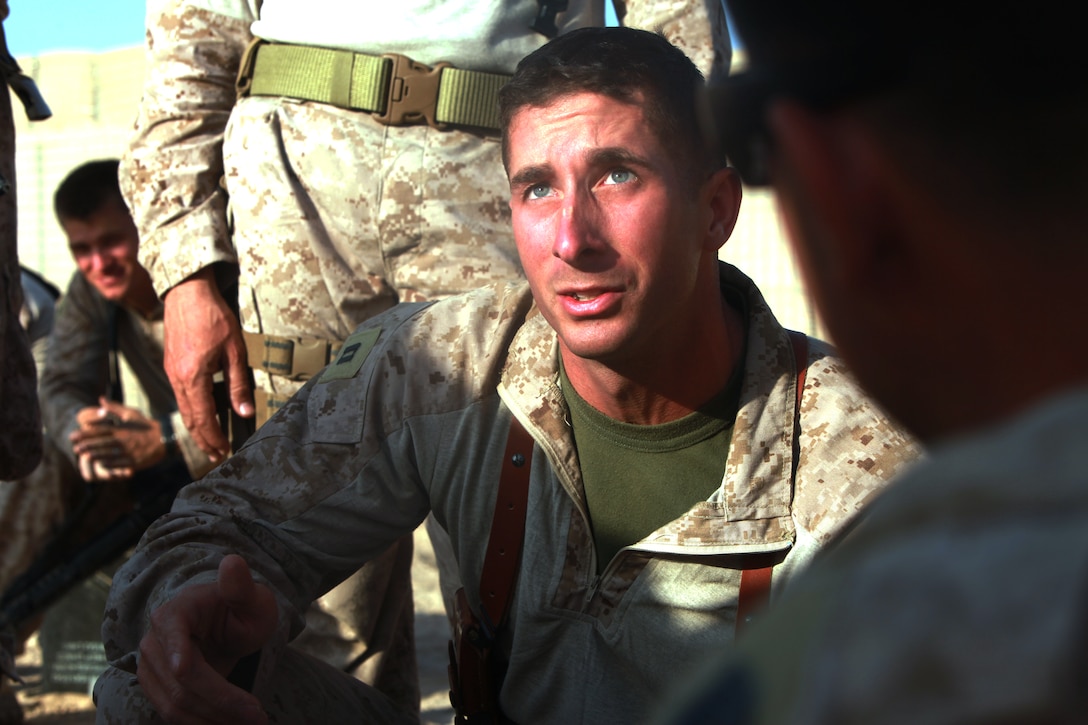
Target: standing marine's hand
(197, 638)
(202, 337)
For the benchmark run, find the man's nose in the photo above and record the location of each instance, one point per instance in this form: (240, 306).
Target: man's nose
(100, 259)
(576, 229)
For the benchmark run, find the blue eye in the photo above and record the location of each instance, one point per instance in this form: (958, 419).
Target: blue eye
(540, 191)
(619, 176)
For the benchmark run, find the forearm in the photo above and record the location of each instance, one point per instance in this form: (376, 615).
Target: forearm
(290, 507)
(171, 174)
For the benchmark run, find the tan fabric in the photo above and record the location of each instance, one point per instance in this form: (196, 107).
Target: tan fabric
(489, 37)
(960, 597)
(419, 423)
(332, 217)
(171, 174)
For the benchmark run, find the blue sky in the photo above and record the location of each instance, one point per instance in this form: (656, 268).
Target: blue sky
(45, 26)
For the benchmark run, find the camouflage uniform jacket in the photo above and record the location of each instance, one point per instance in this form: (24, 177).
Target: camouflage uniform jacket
(958, 598)
(77, 367)
(171, 174)
(414, 416)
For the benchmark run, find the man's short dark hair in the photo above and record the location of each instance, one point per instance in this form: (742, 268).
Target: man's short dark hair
(620, 63)
(86, 189)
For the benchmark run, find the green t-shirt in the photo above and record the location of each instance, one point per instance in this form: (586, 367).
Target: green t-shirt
(638, 478)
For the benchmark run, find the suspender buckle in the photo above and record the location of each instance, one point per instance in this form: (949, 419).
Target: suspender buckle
(413, 93)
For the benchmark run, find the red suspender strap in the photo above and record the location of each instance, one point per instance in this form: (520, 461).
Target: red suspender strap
(755, 584)
(474, 680)
(499, 575)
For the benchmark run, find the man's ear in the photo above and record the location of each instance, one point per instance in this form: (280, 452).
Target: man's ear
(842, 186)
(723, 190)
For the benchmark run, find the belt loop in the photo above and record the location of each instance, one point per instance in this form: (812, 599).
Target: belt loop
(245, 68)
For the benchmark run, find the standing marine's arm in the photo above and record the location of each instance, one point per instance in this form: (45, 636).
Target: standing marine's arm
(170, 175)
(171, 178)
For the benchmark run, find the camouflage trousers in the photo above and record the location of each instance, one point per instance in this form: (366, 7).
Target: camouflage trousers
(336, 218)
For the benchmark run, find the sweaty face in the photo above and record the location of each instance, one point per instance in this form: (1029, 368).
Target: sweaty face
(611, 235)
(104, 247)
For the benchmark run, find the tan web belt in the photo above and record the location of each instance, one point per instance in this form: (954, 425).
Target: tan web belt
(397, 90)
(295, 358)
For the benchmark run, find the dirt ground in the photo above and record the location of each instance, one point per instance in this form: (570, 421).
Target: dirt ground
(432, 635)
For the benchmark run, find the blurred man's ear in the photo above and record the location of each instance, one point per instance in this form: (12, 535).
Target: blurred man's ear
(842, 193)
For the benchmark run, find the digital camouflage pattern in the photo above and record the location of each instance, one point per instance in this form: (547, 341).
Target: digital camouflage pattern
(413, 417)
(334, 217)
(958, 598)
(329, 216)
(436, 217)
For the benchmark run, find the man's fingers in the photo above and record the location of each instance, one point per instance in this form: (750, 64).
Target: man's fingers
(89, 437)
(185, 689)
(86, 467)
(101, 445)
(200, 331)
(197, 408)
(237, 373)
(97, 467)
(236, 583)
(114, 473)
(253, 608)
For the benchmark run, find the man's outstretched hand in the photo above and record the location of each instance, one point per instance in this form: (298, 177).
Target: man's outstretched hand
(202, 337)
(114, 441)
(197, 638)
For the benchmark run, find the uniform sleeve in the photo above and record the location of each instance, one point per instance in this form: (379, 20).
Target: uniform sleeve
(320, 489)
(849, 449)
(171, 172)
(697, 27)
(77, 362)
